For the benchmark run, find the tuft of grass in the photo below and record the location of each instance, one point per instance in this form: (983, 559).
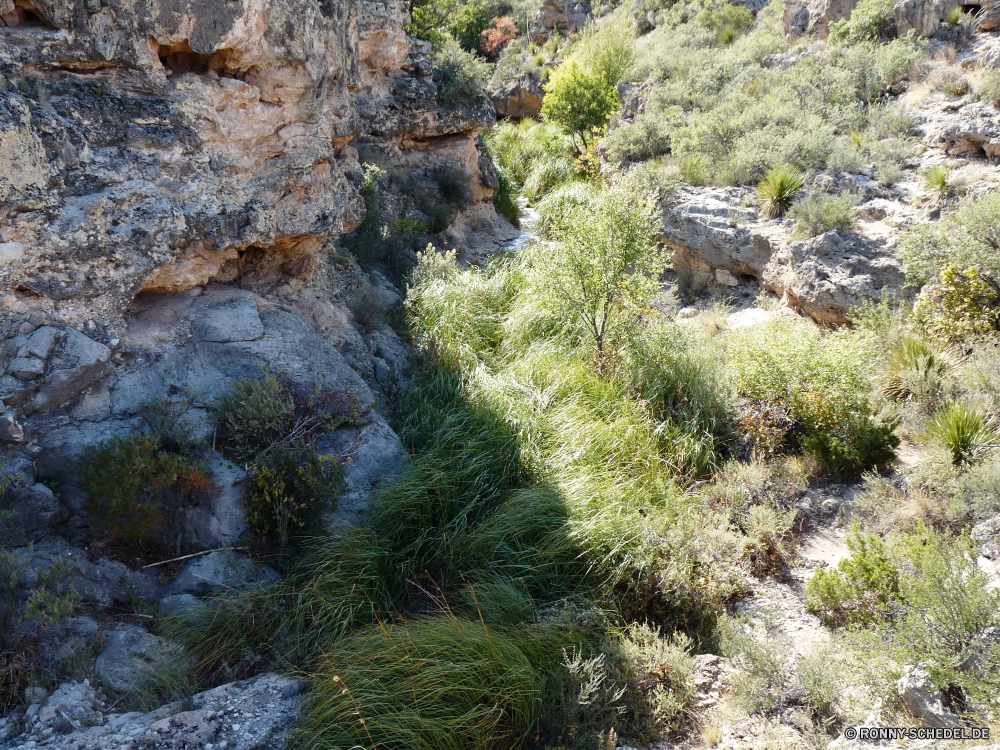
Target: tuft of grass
(441, 683)
(964, 430)
(954, 17)
(821, 213)
(505, 201)
(917, 368)
(696, 170)
(368, 306)
(937, 180)
(777, 190)
(988, 88)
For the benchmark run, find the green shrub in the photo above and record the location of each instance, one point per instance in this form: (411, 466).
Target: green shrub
(696, 170)
(521, 147)
(938, 180)
(429, 684)
(859, 589)
(822, 383)
(871, 20)
(954, 17)
(917, 368)
(888, 173)
(253, 415)
(559, 206)
(607, 49)
(138, 491)
(777, 190)
(820, 213)
(578, 101)
(368, 306)
(988, 88)
(288, 493)
(961, 305)
(965, 431)
(645, 138)
(547, 174)
(461, 74)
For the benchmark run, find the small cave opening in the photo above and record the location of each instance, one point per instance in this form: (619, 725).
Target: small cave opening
(971, 10)
(27, 15)
(180, 58)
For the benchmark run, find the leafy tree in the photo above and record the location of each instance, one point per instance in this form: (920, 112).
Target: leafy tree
(578, 101)
(608, 50)
(605, 263)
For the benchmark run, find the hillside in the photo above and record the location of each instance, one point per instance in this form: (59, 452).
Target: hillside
(501, 374)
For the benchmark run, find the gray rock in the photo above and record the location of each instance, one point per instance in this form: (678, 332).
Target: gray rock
(131, 657)
(234, 319)
(11, 431)
(382, 371)
(17, 471)
(34, 513)
(923, 701)
(72, 706)
(66, 640)
(814, 17)
(222, 522)
(223, 569)
(26, 368)
(41, 343)
(77, 364)
(177, 602)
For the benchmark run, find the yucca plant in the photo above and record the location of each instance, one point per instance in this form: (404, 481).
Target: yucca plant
(964, 430)
(777, 190)
(917, 368)
(938, 180)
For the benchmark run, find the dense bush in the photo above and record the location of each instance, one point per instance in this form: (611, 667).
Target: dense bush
(253, 415)
(871, 20)
(820, 213)
(578, 101)
(860, 588)
(462, 75)
(645, 138)
(917, 368)
(138, 491)
(961, 305)
(493, 40)
(822, 382)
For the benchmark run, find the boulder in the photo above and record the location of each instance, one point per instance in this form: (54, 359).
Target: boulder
(814, 17)
(31, 513)
(72, 706)
(131, 657)
(66, 640)
(177, 602)
(223, 569)
(222, 522)
(233, 318)
(923, 701)
(518, 97)
(567, 16)
(961, 128)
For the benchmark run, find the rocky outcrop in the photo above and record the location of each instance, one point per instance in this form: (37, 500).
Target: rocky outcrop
(518, 97)
(249, 715)
(923, 701)
(813, 17)
(567, 17)
(712, 236)
(961, 128)
(132, 657)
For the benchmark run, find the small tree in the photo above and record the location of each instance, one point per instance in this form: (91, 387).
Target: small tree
(493, 40)
(578, 101)
(606, 264)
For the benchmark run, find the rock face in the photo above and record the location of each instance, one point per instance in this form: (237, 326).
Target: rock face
(131, 657)
(713, 237)
(923, 701)
(251, 715)
(568, 17)
(518, 97)
(813, 17)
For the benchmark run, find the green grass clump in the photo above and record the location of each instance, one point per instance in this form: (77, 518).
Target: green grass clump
(505, 201)
(988, 88)
(821, 213)
(917, 368)
(965, 431)
(938, 180)
(777, 190)
(432, 684)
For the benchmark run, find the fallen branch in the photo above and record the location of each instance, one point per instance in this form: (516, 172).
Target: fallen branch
(195, 554)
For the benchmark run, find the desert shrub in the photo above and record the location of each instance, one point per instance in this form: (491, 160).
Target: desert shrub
(859, 589)
(138, 491)
(288, 493)
(505, 201)
(777, 190)
(521, 147)
(762, 661)
(492, 41)
(578, 101)
(696, 170)
(727, 21)
(988, 88)
(253, 415)
(605, 264)
(166, 420)
(871, 20)
(965, 431)
(548, 174)
(461, 74)
(960, 305)
(821, 212)
(917, 368)
(368, 306)
(645, 138)
(821, 382)
(390, 687)
(888, 173)
(607, 49)
(963, 238)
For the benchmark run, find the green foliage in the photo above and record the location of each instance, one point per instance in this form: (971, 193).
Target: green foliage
(528, 146)
(605, 265)
(696, 170)
(727, 22)
(821, 212)
(368, 306)
(557, 208)
(988, 88)
(938, 180)
(287, 494)
(859, 589)
(961, 305)
(462, 76)
(645, 138)
(965, 431)
(505, 201)
(822, 383)
(777, 190)
(578, 101)
(253, 415)
(917, 368)
(137, 490)
(607, 49)
(871, 20)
